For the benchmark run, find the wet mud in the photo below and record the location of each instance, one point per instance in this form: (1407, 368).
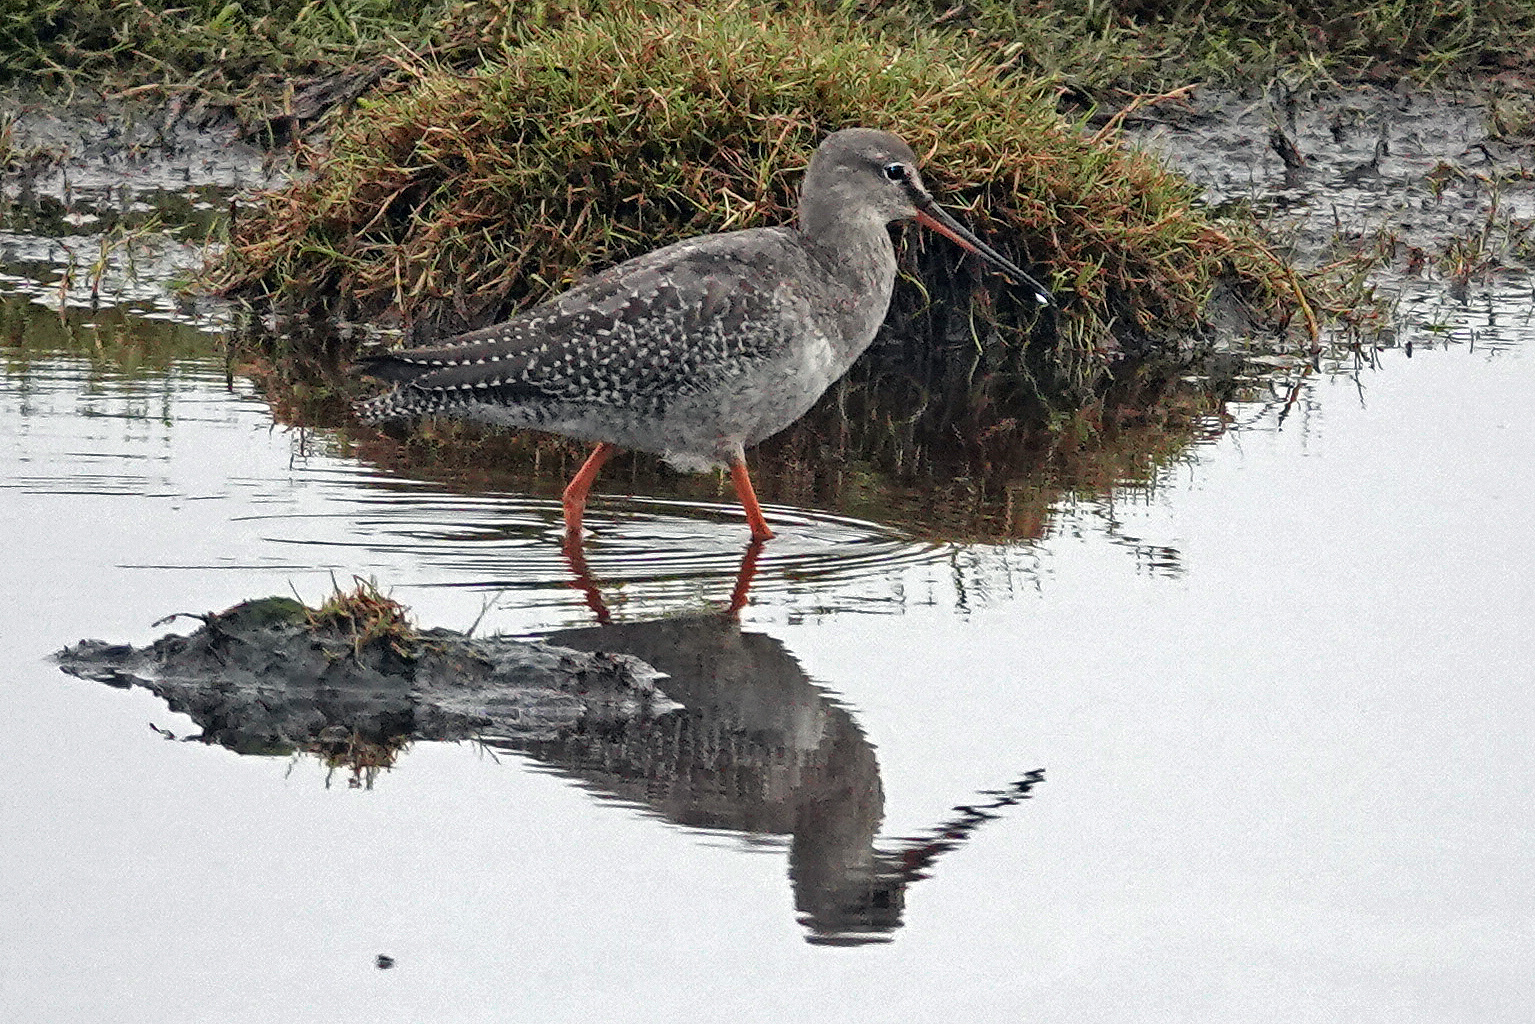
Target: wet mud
(108, 204)
(1420, 186)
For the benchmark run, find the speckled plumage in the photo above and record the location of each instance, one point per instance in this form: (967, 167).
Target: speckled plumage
(691, 352)
(704, 347)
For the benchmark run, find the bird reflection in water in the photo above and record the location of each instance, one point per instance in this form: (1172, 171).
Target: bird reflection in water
(758, 748)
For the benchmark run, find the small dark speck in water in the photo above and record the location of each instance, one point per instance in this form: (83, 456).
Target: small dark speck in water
(384, 961)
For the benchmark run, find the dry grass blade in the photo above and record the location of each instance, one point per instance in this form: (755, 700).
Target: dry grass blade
(366, 617)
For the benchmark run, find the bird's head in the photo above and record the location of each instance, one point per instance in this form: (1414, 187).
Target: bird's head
(863, 174)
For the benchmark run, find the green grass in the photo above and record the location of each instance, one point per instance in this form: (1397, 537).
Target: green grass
(246, 57)
(460, 196)
(243, 54)
(1154, 45)
(194, 38)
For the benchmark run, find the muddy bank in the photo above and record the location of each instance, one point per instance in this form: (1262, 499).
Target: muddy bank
(82, 165)
(1330, 167)
(261, 678)
(1329, 171)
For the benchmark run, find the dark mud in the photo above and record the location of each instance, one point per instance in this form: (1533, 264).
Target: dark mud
(112, 204)
(1334, 170)
(260, 678)
(56, 147)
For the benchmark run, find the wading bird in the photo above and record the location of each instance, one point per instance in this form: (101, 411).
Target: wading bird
(705, 347)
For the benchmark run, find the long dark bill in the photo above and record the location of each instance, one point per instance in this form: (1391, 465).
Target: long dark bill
(931, 215)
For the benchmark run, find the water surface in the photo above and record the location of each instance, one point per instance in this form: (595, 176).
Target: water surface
(1279, 697)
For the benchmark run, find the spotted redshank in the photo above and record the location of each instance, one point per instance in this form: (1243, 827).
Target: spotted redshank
(702, 348)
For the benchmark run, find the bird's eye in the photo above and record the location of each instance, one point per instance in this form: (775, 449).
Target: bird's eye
(895, 172)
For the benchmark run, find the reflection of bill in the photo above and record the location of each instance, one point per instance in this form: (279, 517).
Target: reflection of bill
(759, 748)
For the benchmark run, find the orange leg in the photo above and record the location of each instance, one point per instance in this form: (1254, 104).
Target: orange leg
(580, 485)
(743, 482)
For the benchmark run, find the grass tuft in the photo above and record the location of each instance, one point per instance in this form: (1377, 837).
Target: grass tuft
(367, 617)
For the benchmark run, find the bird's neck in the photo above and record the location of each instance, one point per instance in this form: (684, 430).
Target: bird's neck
(859, 253)
(850, 234)
(859, 260)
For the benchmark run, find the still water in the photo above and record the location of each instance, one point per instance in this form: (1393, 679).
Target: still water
(1248, 743)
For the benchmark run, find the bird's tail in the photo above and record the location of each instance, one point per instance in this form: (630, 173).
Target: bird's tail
(389, 366)
(404, 402)
(407, 402)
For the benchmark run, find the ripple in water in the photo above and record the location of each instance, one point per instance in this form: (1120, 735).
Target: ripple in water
(653, 554)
